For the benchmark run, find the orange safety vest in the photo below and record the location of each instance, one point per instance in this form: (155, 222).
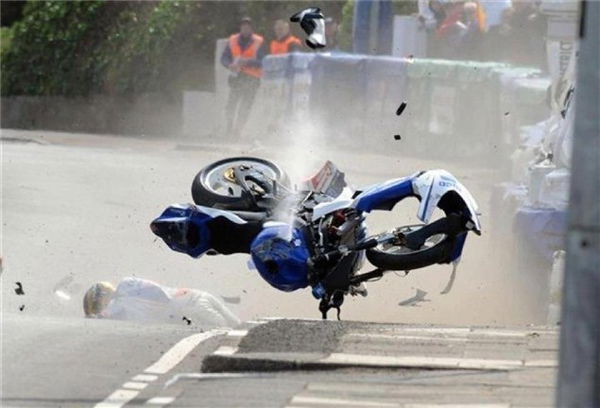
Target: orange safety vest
(283, 47)
(249, 53)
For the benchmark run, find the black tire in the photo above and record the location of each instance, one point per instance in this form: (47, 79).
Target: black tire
(203, 195)
(439, 253)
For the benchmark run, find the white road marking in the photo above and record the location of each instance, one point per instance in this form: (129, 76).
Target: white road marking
(145, 377)
(164, 364)
(117, 399)
(160, 401)
(403, 337)
(225, 351)
(421, 361)
(457, 405)
(178, 352)
(499, 333)
(237, 333)
(134, 385)
(541, 363)
(437, 330)
(298, 399)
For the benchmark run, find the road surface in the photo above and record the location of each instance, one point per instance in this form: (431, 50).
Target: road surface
(76, 209)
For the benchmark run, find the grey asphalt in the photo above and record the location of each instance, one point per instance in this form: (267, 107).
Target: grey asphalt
(63, 361)
(287, 363)
(76, 208)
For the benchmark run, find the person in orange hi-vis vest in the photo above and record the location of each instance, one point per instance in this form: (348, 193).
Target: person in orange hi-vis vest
(284, 42)
(243, 58)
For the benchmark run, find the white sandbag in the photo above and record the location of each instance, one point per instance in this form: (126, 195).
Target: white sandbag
(554, 189)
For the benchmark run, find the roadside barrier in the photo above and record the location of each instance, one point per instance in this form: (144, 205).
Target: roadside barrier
(459, 108)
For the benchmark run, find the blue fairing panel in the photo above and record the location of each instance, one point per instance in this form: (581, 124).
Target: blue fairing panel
(384, 196)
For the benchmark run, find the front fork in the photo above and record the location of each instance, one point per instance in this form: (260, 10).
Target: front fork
(331, 301)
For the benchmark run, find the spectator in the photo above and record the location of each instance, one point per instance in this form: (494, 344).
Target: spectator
(284, 42)
(526, 38)
(450, 31)
(439, 12)
(494, 10)
(472, 26)
(426, 15)
(497, 38)
(519, 39)
(243, 58)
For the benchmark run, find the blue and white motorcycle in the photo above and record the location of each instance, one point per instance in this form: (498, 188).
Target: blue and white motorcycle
(315, 234)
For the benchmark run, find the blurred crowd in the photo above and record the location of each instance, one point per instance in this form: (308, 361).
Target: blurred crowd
(485, 30)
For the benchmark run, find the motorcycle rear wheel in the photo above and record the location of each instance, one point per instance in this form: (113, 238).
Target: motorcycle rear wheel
(437, 249)
(213, 187)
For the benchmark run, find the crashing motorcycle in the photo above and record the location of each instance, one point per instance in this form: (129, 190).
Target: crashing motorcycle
(315, 234)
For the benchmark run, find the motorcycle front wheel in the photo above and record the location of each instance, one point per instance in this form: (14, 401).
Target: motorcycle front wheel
(215, 186)
(436, 249)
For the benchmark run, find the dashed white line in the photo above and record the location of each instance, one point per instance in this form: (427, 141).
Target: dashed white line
(131, 385)
(160, 401)
(145, 377)
(117, 399)
(170, 359)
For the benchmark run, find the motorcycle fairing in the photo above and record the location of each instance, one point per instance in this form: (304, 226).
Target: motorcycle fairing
(431, 186)
(344, 200)
(215, 212)
(385, 195)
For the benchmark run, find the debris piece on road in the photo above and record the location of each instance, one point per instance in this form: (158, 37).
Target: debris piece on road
(312, 22)
(231, 299)
(401, 109)
(19, 289)
(188, 321)
(417, 298)
(61, 289)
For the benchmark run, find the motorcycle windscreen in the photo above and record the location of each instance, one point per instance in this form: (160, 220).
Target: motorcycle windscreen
(329, 180)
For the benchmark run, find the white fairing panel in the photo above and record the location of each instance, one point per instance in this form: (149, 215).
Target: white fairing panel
(344, 200)
(214, 212)
(431, 187)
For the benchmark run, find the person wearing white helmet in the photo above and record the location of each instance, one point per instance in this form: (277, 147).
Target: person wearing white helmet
(142, 300)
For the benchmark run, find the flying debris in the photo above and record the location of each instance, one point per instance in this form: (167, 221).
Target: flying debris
(312, 22)
(19, 289)
(401, 108)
